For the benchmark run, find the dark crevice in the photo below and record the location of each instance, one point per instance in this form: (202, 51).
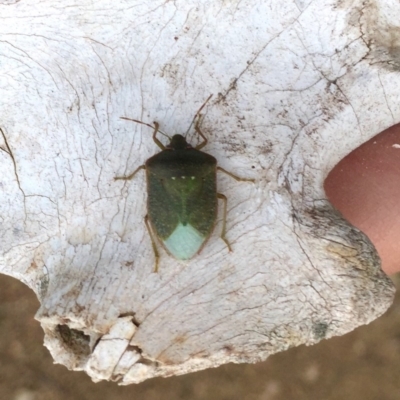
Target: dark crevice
(130, 314)
(137, 349)
(75, 340)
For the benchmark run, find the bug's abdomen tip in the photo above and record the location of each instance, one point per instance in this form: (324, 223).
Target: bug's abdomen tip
(184, 242)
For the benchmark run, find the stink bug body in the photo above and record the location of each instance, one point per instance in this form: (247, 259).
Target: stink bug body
(182, 197)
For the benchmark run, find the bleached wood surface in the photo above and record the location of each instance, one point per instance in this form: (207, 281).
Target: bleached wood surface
(297, 85)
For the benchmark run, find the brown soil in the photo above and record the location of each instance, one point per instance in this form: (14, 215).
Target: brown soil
(364, 364)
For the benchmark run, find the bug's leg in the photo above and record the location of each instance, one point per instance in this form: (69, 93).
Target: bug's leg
(129, 177)
(155, 127)
(197, 129)
(225, 200)
(153, 243)
(156, 141)
(235, 177)
(197, 125)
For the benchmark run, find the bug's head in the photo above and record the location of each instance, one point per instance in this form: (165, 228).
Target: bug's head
(178, 142)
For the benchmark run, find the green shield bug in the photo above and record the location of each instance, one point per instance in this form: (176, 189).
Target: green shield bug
(182, 197)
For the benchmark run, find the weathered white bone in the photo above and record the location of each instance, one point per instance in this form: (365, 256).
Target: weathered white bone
(297, 85)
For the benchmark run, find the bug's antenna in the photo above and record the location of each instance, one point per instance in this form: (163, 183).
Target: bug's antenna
(198, 113)
(144, 123)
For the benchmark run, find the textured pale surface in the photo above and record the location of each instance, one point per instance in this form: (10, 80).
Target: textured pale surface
(297, 85)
